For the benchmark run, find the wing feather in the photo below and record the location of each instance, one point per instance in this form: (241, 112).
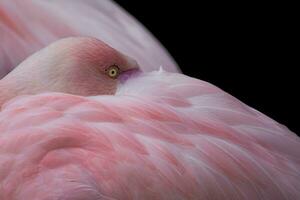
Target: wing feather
(139, 144)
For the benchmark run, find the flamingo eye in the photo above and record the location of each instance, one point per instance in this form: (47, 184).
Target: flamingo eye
(113, 71)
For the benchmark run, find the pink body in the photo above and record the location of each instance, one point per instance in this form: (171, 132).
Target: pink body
(162, 136)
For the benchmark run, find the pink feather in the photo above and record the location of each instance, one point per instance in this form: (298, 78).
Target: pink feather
(27, 26)
(162, 136)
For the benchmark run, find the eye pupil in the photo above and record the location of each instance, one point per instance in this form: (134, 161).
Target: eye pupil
(113, 71)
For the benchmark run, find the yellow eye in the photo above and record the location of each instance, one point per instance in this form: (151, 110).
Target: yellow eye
(113, 71)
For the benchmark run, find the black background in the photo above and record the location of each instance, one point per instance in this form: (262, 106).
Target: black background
(247, 50)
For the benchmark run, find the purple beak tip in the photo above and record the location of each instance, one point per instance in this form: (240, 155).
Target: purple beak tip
(124, 76)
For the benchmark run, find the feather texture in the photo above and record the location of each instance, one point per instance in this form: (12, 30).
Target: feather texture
(27, 26)
(162, 136)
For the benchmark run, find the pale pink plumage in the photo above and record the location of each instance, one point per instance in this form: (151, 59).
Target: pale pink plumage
(162, 136)
(27, 26)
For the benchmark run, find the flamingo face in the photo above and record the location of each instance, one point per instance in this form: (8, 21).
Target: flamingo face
(79, 65)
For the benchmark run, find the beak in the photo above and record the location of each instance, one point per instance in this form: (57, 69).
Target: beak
(133, 69)
(130, 73)
(131, 63)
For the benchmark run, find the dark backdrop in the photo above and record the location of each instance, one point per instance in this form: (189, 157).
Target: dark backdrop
(247, 50)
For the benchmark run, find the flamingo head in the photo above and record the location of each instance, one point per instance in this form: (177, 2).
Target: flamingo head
(76, 65)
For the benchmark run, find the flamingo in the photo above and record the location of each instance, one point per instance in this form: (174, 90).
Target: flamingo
(79, 121)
